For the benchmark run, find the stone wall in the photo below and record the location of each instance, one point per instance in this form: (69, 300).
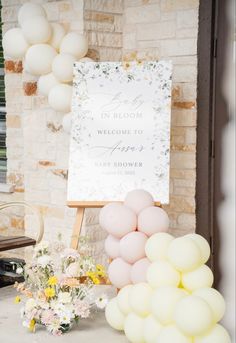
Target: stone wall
(38, 149)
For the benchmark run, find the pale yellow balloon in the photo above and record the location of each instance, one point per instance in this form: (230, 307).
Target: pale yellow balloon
(39, 59)
(58, 32)
(171, 334)
(198, 278)
(14, 44)
(151, 329)
(202, 244)
(184, 254)
(214, 299)
(30, 10)
(134, 328)
(46, 83)
(62, 67)
(86, 59)
(75, 44)
(36, 30)
(163, 303)
(139, 299)
(60, 97)
(123, 299)
(162, 273)
(193, 316)
(157, 246)
(217, 334)
(114, 316)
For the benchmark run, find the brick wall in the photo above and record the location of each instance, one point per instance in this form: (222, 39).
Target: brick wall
(38, 148)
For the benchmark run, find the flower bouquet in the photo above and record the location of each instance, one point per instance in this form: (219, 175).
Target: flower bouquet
(59, 287)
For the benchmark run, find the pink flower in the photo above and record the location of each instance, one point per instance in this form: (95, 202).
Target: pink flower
(82, 309)
(47, 317)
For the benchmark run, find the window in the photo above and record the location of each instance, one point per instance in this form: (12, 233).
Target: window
(3, 157)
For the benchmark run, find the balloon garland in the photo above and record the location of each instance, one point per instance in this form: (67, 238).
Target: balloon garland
(49, 53)
(166, 293)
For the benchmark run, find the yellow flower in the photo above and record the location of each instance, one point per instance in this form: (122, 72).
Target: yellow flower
(52, 281)
(17, 299)
(49, 292)
(32, 325)
(100, 270)
(96, 281)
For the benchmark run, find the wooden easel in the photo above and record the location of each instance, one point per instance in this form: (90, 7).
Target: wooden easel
(81, 206)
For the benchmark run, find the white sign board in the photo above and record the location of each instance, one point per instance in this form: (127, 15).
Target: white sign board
(120, 137)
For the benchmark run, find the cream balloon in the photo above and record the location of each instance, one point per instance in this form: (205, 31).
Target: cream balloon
(163, 303)
(14, 44)
(30, 10)
(193, 316)
(114, 316)
(151, 329)
(198, 278)
(139, 270)
(133, 328)
(46, 83)
(67, 122)
(112, 246)
(217, 334)
(75, 44)
(59, 98)
(162, 273)
(123, 299)
(58, 32)
(86, 59)
(171, 334)
(39, 58)
(132, 246)
(119, 273)
(138, 200)
(214, 299)
(62, 67)
(157, 246)
(139, 299)
(152, 220)
(202, 244)
(36, 30)
(184, 254)
(117, 219)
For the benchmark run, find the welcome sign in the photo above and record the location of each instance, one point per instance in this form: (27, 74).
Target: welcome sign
(121, 130)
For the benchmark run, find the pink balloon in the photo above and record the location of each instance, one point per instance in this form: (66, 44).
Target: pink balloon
(119, 273)
(138, 200)
(112, 246)
(139, 270)
(132, 246)
(117, 219)
(152, 220)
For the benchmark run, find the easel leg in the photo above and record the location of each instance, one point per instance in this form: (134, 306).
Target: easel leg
(77, 228)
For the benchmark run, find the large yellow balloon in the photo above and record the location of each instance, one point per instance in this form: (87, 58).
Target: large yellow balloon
(123, 299)
(152, 329)
(193, 316)
(198, 278)
(202, 244)
(114, 316)
(134, 328)
(163, 303)
(217, 334)
(171, 334)
(184, 254)
(214, 300)
(139, 299)
(157, 246)
(162, 273)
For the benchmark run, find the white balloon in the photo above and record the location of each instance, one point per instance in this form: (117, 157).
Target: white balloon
(198, 278)
(59, 98)
(62, 67)
(123, 299)
(151, 329)
(157, 246)
(114, 316)
(171, 334)
(163, 303)
(14, 44)
(39, 58)
(134, 328)
(217, 334)
(139, 299)
(46, 83)
(36, 30)
(58, 32)
(86, 59)
(162, 273)
(202, 244)
(67, 122)
(75, 44)
(30, 10)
